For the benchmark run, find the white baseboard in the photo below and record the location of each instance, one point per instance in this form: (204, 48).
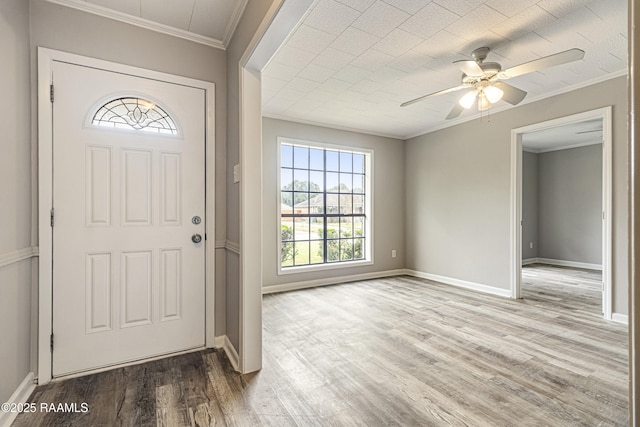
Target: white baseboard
(461, 283)
(330, 281)
(21, 395)
(232, 353)
(218, 342)
(529, 261)
(620, 318)
(563, 263)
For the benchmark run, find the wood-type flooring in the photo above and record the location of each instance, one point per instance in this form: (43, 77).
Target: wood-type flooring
(397, 351)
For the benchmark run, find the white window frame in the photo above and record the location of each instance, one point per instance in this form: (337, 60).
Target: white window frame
(368, 205)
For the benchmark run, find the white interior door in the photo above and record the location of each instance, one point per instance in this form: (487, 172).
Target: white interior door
(128, 279)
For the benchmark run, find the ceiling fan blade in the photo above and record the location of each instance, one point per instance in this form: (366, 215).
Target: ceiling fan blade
(470, 68)
(511, 94)
(542, 63)
(451, 89)
(455, 112)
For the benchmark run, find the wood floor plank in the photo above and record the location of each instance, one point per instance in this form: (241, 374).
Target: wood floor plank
(395, 351)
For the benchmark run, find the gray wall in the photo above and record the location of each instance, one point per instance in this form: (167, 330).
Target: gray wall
(15, 196)
(388, 199)
(570, 204)
(458, 190)
(253, 15)
(529, 205)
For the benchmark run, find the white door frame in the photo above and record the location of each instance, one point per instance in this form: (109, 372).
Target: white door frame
(516, 198)
(46, 57)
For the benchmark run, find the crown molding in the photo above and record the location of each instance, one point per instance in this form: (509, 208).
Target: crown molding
(232, 24)
(154, 26)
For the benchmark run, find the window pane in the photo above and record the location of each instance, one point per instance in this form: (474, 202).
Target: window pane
(332, 160)
(316, 228)
(358, 163)
(332, 182)
(301, 203)
(301, 180)
(301, 157)
(346, 162)
(301, 255)
(346, 249)
(316, 181)
(316, 203)
(358, 227)
(286, 202)
(346, 204)
(332, 204)
(317, 252)
(286, 179)
(286, 254)
(346, 182)
(333, 250)
(301, 229)
(316, 159)
(358, 183)
(358, 204)
(346, 227)
(358, 248)
(286, 156)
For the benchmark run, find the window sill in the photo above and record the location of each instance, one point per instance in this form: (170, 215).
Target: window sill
(322, 267)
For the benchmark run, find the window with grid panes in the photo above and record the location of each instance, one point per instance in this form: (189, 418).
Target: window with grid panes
(324, 206)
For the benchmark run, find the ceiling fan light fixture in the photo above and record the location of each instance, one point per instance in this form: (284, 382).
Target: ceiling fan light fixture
(468, 99)
(483, 102)
(493, 94)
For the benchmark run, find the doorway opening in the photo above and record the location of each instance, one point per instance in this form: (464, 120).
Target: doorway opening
(561, 199)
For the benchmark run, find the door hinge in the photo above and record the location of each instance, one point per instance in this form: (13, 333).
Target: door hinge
(51, 216)
(51, 343)
(205, 236)
(51, 93)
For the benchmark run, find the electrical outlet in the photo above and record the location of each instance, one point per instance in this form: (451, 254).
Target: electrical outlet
(530, 245)
(393, 253)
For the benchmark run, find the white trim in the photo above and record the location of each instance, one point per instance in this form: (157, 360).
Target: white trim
(233, 247)
(232, 353)
(461, 283)
(151, 25)
(605, 114)
(330, 281)
(46, 57)
(494, 110)
(620, 318)
(560, 147)
(219, 341)
(232, 24)
(20, 395)
(18, 255)
(563, 263)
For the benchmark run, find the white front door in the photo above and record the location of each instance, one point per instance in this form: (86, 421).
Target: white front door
(128, 279)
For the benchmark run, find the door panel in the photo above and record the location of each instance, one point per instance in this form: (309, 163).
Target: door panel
(128, 282)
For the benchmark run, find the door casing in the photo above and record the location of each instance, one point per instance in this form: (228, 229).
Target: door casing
(46, 57)
(607, 192)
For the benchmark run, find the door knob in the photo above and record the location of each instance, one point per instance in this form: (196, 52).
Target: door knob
(196, 238)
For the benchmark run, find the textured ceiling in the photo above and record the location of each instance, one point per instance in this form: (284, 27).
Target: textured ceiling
(351, 63)
(210, 22)
(565, 136)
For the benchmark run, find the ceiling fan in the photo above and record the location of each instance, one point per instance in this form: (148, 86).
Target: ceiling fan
(485, 80)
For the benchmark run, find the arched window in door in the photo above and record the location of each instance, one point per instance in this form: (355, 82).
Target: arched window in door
(135, 113)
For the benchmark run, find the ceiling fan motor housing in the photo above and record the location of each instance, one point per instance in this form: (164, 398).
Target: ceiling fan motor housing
(490, 69)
